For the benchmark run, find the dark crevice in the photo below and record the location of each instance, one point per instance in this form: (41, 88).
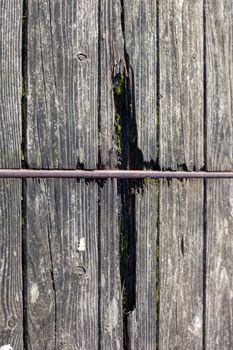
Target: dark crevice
(24, 87)
(205, 167)
(26, 340)
(204, 262)
(99, 166)
(99, 267)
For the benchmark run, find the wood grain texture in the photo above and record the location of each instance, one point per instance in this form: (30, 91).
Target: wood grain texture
(62, 264)
(111, 58)
(11, 308)
(10, 83)
(219, 273)
(181, 264)
(181, 84)
(111, 320)
(219, 72)
(62, 81)
(141, 52)
(143, 320)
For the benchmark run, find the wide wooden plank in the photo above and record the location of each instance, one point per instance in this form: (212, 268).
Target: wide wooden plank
(140, 27)
(11, 306)
(62, 264)
(10, 83)
(219, 72)
(219, 272)
(62, 81)
(181, 264)
(181, 84)
(111, 320)
(142, 322)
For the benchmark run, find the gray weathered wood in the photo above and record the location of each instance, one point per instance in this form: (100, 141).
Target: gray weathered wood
(10, 83)
(219, 273)
(181, 84)
(111, 56)
(142, 321)
(62, 264)
(11, 308)
(62, 81)
(111, 325)
(181, 264)
(219, 72)
(140, 45)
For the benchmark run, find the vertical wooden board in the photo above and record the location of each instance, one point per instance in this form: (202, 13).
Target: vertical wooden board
(62, 80)
(144, 318)
(219, 72)
(62, 264)
(181, 84)
(111, 321)
(181, 264)
(11, 308)
(10, 83)
(111, 58)
(219, 272)
(141, 53)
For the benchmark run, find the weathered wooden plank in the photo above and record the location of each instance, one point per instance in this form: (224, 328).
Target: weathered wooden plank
(11, 308)
(219, 72)
(143, 320)
(62, 264)
(181, 84)
(62, 81)
(10, 83)
(111, 325)
(111, 57)
(141, 55)
(181, 264)
(219, 273)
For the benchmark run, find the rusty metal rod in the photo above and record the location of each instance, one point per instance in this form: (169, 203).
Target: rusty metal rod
(105, 174)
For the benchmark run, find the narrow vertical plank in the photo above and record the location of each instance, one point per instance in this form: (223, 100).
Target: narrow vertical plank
(62, 81)
(219, 72)
(181, 264)
(62, 264)
(11, 308)
(111, 325)
(140, 27)
(10, 83)
(111, 57)
(181, 84)
(144, 318)
(219, 275)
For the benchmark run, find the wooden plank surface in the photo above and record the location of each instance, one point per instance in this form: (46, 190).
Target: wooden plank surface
(11, 307)
(62, 264)
(144, 318)
(219, 72)
(181, 84)
(110, 302)
(140, 24)
(11, 304)
(219, 273)
(62, 80)
(181, 264)
(10, 83)
(111, 56)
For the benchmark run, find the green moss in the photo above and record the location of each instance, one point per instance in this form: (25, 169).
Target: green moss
(118, 132)
(157, 120)
(119, 84)
(157, 274)
(147, 179)
(157, 193)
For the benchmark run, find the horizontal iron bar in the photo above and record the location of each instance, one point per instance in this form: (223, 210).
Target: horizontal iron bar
(105, 174)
